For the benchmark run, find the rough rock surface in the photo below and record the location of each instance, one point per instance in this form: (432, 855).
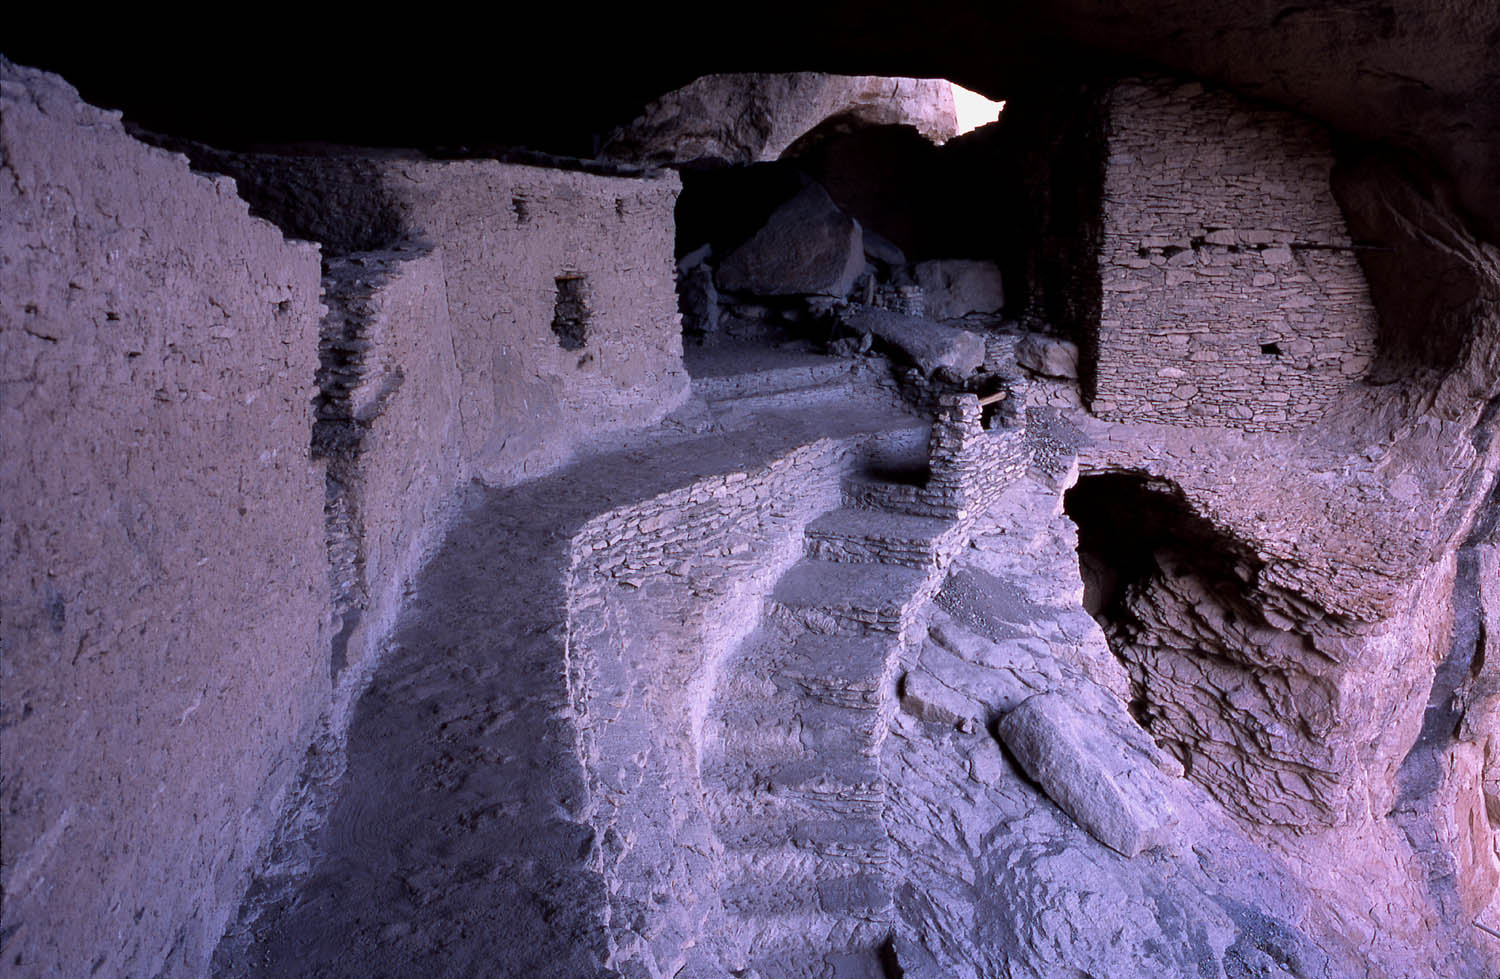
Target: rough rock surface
(807, 247)
(999, 880)
(750, 118)
(1048, 356)
(956, 287)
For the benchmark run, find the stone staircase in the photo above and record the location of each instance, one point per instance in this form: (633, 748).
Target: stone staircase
(791, 758)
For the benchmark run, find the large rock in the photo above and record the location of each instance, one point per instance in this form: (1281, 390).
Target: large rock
(1048, 356)
(929, 344)
(750, 118)
(808, 247)
(954, 287)
(1110, 787)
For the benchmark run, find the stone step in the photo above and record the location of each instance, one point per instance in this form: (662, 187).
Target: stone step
(864, 962)
(859, 837)
(791, 728)
(852, 782)
(847, 671)
(862, 491)
(858, 535)
(801, 398)
(865, 895)
(740, 751)
(730, 806)
(834, 598)
(808, 372)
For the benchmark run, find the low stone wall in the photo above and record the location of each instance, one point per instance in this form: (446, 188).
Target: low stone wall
(971, 465)
(163, 603)
(1231, 294)
(659, 591)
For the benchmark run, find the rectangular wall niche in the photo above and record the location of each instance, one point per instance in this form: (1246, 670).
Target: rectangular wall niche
(570, 311)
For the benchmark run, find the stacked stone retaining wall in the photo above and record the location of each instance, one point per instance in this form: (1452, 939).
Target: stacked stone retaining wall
(1231, 293)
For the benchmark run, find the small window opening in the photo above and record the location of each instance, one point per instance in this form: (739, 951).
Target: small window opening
(1271, 349)
(570, 312)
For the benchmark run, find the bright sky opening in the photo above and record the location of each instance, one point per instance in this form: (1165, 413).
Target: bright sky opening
(974, 110)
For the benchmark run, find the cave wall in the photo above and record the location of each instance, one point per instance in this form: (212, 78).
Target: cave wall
(1230, 291)
(164, 632)
(754, 118)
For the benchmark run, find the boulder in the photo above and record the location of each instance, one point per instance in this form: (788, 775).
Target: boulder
(807, 247)
(1108, 785)
(954, 287)
(1048, 356)
(929, 344)
(883, 250)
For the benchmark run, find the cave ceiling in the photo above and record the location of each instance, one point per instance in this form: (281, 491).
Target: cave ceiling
(1420, 75)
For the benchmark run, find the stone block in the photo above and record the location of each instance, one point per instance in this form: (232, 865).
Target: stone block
(930, 345)
(1109, 786)
(1048, 356)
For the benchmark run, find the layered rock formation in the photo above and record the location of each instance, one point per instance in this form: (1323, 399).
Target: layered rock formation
(748, 118)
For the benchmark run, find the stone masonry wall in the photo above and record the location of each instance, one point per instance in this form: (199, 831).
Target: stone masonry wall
(968, 467)
(1231, 293)
(163, 578)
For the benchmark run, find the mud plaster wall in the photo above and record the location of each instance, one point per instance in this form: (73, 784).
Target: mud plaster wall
(508, 233)
(389, 426)
(163, 596)
(1230, 291)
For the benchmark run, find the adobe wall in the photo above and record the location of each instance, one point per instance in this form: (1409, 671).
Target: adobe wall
(163, 586)
(1231, 294)
(512, 236)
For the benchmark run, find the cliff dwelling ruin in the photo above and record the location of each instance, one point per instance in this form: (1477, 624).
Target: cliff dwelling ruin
(743, 525)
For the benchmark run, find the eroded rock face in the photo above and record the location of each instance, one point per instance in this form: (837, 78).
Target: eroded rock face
(750, 118)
